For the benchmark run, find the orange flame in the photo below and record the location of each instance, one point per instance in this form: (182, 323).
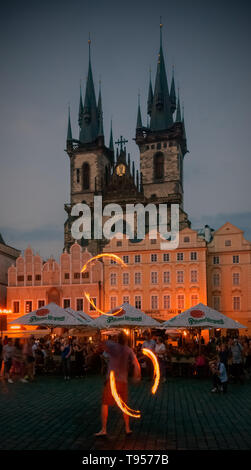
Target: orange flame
(121, 404)
(103, 255)
(156, 373)
(87, 296)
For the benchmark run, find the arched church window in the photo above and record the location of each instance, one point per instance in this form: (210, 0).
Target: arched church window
(159, 165)
(86, 176)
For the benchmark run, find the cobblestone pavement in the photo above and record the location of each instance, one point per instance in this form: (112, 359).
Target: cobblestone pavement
(184, 414)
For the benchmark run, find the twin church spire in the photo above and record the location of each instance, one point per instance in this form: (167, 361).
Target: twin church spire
(161, 103)
(161, 106)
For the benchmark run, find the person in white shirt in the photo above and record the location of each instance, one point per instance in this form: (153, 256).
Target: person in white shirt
(160, 351)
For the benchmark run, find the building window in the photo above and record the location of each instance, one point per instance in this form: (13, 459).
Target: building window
(166, 277)
(67, 275)
(20, 278)
(216, 280)
(112, 261)
(16, 306)
(113, 302)
(154, 277)
(94, 299)
(236, 279)
(78, 175)
(193, 256)
(113, 279)
(125, 279)
(137, 259)
(216, 302)
(154, 302)
(126, 259)
(216, 260)
(158, 166)
(180, 301)
(85, 275)
(137, 301)
(126, 299)
(119, 243)
(28, 306)
(180, 256)
(67, 303)
(40, 303)
(166, 257)
(194, 300)
(236, 303)
(194, 276)
(29, 278)
(86, 176)
(186, 239)
(167, 302)
(76, 275)
(228, 242)
(180, 277)
(154, 258)
(80, 304)
(236, 259)
(153, 241)
(38, 277)
(137, 278)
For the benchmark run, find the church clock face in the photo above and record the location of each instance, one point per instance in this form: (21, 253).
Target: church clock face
(120, 169)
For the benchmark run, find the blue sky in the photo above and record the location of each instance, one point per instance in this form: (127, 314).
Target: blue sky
(44, 54)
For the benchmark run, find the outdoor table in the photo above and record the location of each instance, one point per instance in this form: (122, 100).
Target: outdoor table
(183, 364)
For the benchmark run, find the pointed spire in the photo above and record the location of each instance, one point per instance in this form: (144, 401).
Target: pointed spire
(139, 119)
(111, 145)
(69, 132)
(178, 112)
(150, 96)
(81, 108)
(90, 127)
(173, 94)
(183, 122)
(100, 113)
(161, 117)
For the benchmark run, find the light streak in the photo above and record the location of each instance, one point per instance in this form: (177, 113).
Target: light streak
(156, 373)
(90, 300)
(87, 295)
(121, 404)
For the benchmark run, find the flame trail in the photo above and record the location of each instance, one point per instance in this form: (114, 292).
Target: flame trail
(156, 373)
(121, 404)
(87, 296)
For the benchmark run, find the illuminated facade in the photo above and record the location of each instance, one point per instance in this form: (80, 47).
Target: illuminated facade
(161, 283)
(34, 283)
(229, 274)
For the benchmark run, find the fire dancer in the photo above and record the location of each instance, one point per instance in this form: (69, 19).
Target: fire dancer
(120, 358)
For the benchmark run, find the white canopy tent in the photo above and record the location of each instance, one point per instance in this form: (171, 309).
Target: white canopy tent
(52, 316)
(128, 317)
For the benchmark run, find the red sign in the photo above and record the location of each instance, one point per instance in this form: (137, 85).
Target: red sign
(197, 314)
(42, 312)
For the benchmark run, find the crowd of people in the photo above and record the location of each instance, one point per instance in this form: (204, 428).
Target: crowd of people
(224, 359)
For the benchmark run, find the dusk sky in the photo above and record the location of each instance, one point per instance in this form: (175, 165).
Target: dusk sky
(44, 54)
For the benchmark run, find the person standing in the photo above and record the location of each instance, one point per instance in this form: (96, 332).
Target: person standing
(29, 357)
(237, 361)
(149, 343)
(120, 358)
(160, 351)
(220, 377)
(8, 354)
(18, 360)
(66, 351)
